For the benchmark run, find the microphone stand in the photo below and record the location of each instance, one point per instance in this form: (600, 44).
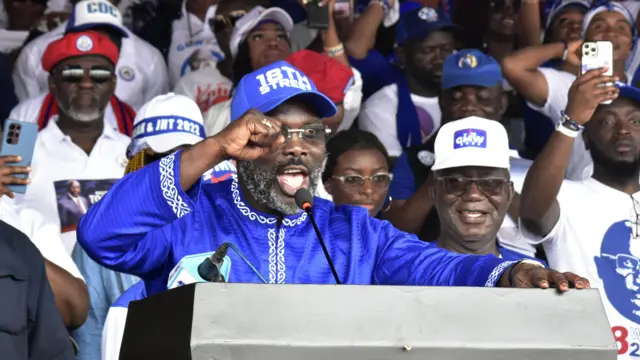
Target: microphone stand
(324, 247)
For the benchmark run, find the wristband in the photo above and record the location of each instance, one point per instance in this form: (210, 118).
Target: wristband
(567, 126)
(334, 50)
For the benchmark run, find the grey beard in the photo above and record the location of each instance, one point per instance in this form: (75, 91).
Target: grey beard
(262, 185)
(80, 115)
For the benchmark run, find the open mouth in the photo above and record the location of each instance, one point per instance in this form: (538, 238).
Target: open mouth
(292, 178)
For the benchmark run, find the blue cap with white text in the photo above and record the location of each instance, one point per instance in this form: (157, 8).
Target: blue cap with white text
(419, 23)
(271, 85)
(470, 67)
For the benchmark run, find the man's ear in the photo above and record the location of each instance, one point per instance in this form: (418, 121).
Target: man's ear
(505, 103)
(52, 85)
(585, 138)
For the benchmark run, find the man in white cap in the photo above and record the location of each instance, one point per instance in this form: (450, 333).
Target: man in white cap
(472, 189)
(141, 70)
(163, 125)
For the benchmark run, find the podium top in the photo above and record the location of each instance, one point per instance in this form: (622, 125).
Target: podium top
(257, 321)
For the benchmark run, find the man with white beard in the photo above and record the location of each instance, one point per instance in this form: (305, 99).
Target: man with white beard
(75, 143)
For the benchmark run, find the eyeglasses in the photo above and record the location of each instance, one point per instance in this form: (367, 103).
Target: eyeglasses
(220, 23)
(458, 185)
(75, 74)
(379, 181)
(311, 133)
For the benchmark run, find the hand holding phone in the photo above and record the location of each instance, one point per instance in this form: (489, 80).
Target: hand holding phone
(18, 143)
(9, 173)
(597, 55)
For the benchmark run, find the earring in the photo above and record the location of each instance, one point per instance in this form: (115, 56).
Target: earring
(388, 205)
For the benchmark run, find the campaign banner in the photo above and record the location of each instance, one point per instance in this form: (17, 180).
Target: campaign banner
(75, 197)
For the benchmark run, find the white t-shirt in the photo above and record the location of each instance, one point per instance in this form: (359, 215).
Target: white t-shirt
(378, 116)
(206, 87)
(141, 69)
(58, 161)
(43, 234)
(192, 42)
(597, 237)
(11, 40)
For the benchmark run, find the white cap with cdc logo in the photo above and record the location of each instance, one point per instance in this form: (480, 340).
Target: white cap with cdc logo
(472, 141)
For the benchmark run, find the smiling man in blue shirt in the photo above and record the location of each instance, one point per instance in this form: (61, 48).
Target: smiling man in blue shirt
(154, 217)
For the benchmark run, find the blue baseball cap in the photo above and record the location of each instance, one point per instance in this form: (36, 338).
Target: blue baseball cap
(419, 23)
(271, 85)
(470, 67)
(628, 91)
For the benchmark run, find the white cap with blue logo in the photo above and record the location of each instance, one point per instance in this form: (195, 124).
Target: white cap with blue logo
(472, 141)
(165, 123)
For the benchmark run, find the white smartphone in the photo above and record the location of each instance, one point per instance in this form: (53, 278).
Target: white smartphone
(595, 55)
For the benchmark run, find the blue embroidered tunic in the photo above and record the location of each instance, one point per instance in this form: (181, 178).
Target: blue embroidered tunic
(146, 223)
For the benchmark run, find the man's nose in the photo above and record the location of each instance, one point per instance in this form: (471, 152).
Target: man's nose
(294, 146)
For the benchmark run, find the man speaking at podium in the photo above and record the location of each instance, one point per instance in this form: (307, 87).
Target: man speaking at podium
(156, 216)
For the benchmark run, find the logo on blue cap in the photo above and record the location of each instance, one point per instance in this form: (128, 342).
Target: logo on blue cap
(283, 77)
(428, 14)
(469, 61)
(469, 138)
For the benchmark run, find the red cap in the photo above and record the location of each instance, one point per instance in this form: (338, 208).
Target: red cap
(330, 76)
(79, 44)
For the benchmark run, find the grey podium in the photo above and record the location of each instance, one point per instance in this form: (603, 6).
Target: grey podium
(225, 321)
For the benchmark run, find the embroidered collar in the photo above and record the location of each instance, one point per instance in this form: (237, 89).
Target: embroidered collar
(290, 220)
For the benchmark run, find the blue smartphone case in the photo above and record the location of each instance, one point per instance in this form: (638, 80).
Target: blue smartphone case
(19, 138)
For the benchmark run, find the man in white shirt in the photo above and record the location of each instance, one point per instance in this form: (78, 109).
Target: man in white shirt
(69, 288)
(592, 225)
(117, 114)
(141, 70)
(77, 143)
(406, 113)
(546, 89)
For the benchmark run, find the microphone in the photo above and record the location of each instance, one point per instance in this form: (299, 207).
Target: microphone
(188, 270)
(304, 200)
(209, 269)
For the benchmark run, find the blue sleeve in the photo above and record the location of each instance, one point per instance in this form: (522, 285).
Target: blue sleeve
(123, 231)
(403, 259)
(403, 185)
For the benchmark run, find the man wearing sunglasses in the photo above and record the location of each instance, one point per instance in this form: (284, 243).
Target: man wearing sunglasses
(471, 188)
(160, 213)
(471, 86)
(77, 143)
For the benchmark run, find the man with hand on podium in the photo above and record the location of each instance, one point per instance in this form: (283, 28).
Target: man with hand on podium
(161, 213)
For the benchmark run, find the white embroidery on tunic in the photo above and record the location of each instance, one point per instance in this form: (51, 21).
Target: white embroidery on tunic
(169, 190)
(495, 274)
(271, 235)
(281, 266)
(244, 209)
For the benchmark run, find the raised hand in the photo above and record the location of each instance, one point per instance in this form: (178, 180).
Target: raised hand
(587, 92)
(251, 136)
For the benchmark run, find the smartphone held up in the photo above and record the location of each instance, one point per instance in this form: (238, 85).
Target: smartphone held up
(597, 55)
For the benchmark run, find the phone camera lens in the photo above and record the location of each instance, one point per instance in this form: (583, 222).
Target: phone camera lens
(11, 133)
(12, 126)
(586, 53)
